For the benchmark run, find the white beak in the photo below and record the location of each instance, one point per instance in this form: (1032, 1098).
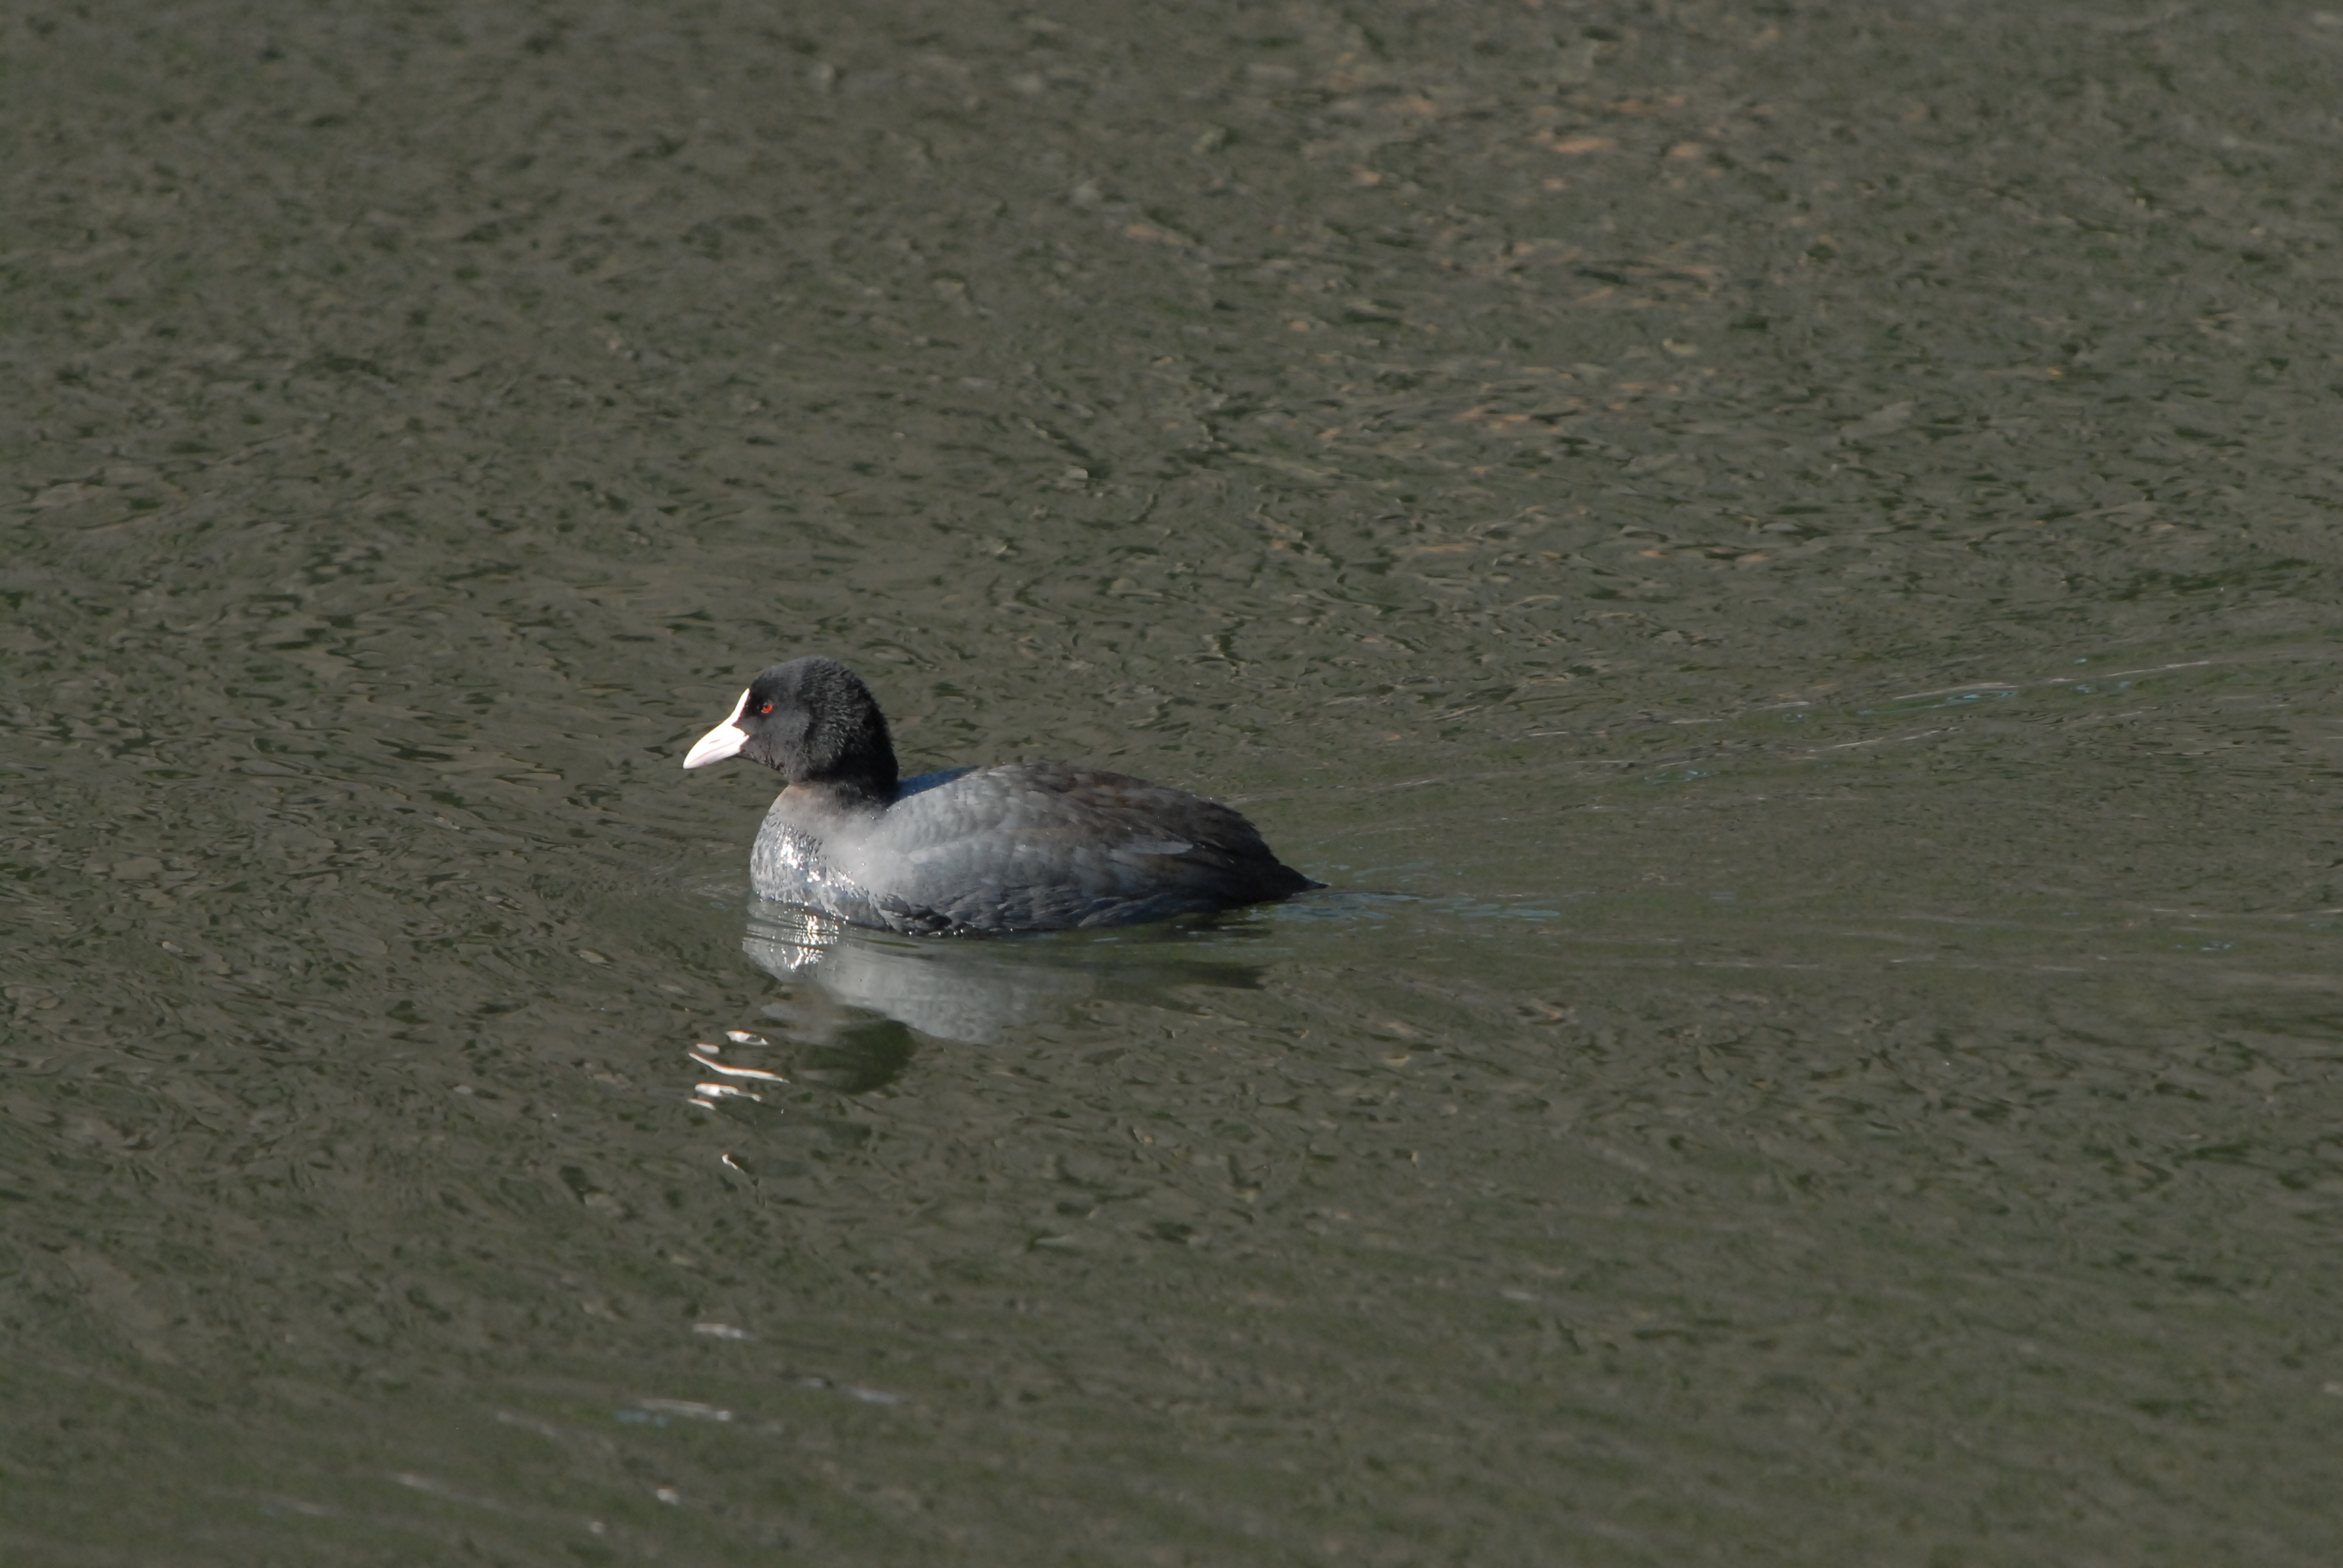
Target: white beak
(725, 740)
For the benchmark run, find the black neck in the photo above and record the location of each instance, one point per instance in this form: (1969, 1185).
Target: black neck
(847, 749)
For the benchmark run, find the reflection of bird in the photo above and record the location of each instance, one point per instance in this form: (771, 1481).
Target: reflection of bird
(834, 977)
(952, 990)
(1029, 847)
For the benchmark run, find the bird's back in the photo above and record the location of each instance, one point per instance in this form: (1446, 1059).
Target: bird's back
(1026, 846)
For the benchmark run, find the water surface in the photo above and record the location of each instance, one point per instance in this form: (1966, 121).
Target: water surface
(1780, 560)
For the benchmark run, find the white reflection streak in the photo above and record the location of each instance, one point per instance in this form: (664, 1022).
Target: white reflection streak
(683, 1407)
(758, 1073)
(707, 1094)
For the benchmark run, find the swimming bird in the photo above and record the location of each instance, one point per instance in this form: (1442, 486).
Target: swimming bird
(1025, 847)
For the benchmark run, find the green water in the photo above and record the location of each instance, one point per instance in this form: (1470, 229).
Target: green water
(1780, 560)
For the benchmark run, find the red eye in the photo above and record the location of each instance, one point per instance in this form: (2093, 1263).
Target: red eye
(767, 709)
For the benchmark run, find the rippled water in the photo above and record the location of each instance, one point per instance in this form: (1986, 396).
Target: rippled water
(1780, 560)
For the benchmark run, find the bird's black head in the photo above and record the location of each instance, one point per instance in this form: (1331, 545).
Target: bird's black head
(816, 722)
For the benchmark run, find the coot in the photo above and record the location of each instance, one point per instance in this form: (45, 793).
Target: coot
(1024, 848)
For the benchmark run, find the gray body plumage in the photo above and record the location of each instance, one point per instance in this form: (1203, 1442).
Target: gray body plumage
(1014, 849)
